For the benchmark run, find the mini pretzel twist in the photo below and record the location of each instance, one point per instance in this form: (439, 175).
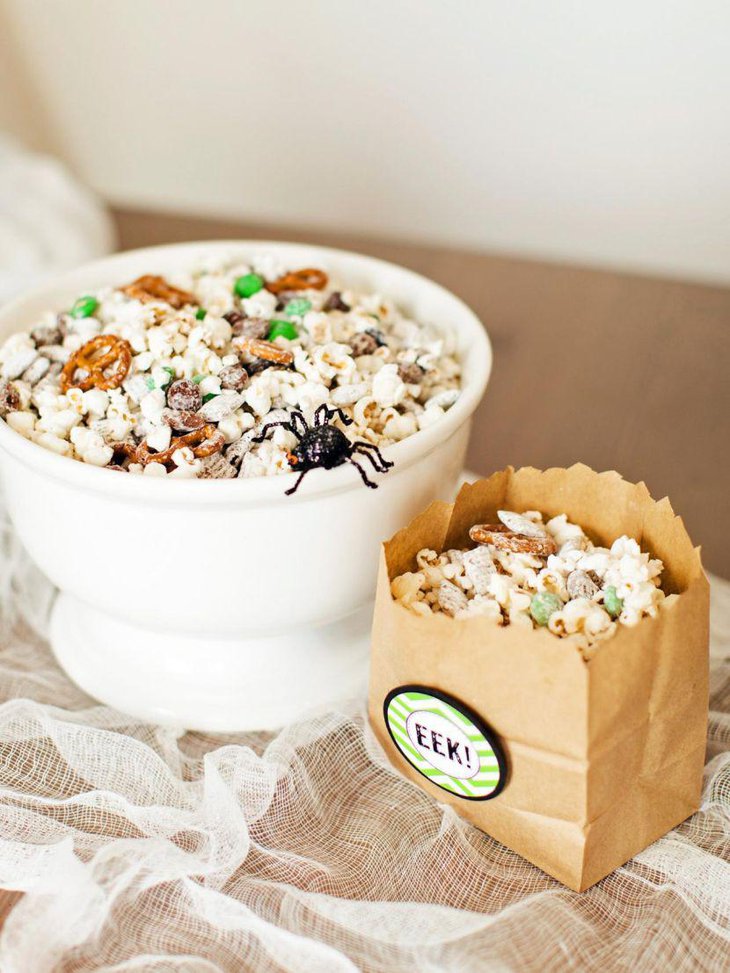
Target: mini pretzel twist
(203, 442)
(149, 287)
(102, 353)
(299, 280)
(505, 539)
(258, 348)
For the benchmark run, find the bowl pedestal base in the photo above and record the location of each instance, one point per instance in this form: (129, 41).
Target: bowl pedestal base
(204, 683)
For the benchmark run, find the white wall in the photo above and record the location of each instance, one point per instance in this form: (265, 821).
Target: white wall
(597, 132)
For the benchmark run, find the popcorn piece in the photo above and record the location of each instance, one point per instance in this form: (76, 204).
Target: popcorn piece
(159, 439)
(95, 403)
(22, 422)
(55, 443)
(90, 446)
(388, 387)
(406, 587)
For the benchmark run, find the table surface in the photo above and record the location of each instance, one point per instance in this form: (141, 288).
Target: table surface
(615, 370)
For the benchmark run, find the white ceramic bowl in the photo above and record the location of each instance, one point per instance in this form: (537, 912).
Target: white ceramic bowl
(195, 601)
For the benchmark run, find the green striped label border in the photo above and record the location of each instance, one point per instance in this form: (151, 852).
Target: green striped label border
(446, 742)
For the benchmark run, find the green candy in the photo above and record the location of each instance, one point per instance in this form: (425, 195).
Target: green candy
(209, 396)
(298, 306)
(197, 379)
(543, 605)
(84, 307)
(282, 329)
(200, 313)
(611, 601)
(248, 285)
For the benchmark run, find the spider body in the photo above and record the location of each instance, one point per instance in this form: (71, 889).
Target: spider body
(324, 446)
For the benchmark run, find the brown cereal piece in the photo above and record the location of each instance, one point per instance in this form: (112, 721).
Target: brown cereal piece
(234, 318)
(266, 350)
(17, 362)
(216, 467)
(260, 365)
(45, 335)
(221, 407)
(573, 544)
(136, 386)
(9, 398)
(203, 442)
(411, 373)
(499, 536)
(184, 396)
(521, 525)
(55, 353)
(103, 363)
(183, 421)
(378, 335)
(37, 371)
(255, 328)
(451, 598)
(233, 377)
(335, 303)
(363, 343)
(247, 327)
(580, 585)
(236, 451)
(479, 568)
(309, 278)
(150, 287)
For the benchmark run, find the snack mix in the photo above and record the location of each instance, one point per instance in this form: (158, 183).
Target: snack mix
(232, 370)
(527, 572)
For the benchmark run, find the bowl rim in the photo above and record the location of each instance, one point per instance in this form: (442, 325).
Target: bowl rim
(250, 489)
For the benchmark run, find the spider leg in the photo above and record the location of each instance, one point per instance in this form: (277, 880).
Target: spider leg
(330, 414)
(285, 424)
(344, 418)
(321, 415)
(363, 474)
(382, 465)
(297, 416)
(368, 455)
(296, 485)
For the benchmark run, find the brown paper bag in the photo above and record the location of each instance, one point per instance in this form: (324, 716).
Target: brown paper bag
(588, 760)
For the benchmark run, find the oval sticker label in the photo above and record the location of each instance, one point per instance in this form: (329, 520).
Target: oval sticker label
(446, 742)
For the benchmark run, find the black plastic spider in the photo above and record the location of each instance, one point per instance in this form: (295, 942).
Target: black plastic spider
(324, 445)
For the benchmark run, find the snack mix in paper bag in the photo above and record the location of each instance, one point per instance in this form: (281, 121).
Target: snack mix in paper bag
(524, 571)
